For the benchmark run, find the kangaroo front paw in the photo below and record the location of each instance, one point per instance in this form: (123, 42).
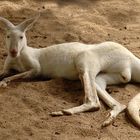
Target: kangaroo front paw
(58, 113)
(3, 84)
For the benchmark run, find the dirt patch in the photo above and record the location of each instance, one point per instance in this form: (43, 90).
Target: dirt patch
(25, 106)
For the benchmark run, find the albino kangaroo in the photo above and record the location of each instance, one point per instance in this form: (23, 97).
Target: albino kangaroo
(95, 65)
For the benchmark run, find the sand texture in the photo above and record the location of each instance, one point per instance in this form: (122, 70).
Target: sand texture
(25, 105)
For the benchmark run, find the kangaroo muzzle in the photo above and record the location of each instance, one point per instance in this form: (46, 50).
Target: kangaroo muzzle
(13, 52)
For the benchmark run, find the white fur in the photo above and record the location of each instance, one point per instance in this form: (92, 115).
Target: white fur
(133, 110)
(96, 65)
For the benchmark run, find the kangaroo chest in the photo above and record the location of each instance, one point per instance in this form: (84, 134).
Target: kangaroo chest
(60, 68)
(21, 65)
(58, 65)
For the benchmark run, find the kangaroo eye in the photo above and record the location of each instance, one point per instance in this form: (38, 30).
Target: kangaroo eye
(21, 37)
(8, 36)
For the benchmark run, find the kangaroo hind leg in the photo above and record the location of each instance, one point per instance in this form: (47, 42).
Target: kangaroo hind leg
(91, 101)
(88, 69)
(102, 80)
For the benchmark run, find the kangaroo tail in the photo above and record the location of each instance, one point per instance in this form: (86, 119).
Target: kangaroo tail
(133, 110)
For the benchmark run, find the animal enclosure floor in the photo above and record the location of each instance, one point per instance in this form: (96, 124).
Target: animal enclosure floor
(25, 106)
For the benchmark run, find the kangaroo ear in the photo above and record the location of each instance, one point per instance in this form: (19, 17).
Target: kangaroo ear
(7, 24)
(27, 24)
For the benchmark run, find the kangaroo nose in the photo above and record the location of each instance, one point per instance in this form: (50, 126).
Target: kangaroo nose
(13, 52)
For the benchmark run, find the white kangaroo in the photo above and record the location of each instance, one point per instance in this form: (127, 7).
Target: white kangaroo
(95, 65)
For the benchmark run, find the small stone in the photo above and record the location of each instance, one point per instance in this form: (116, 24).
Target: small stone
(115, 125)
(115, 90)
(109, 90)
(40, 46)
(124, 38)
(35, 36)
(44, 37)
(43, 7)
(76, 99)
(4, 54)
(70, 37)
(125, 27)
(64, 103)
(57, 133)
(31, 134)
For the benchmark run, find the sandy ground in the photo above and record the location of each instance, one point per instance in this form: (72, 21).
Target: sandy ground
(25, 106)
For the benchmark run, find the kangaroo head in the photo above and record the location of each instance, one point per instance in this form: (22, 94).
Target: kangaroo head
(16, 38)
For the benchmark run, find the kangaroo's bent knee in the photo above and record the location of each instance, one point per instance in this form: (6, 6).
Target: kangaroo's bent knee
(125, 78)
(126, 75)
